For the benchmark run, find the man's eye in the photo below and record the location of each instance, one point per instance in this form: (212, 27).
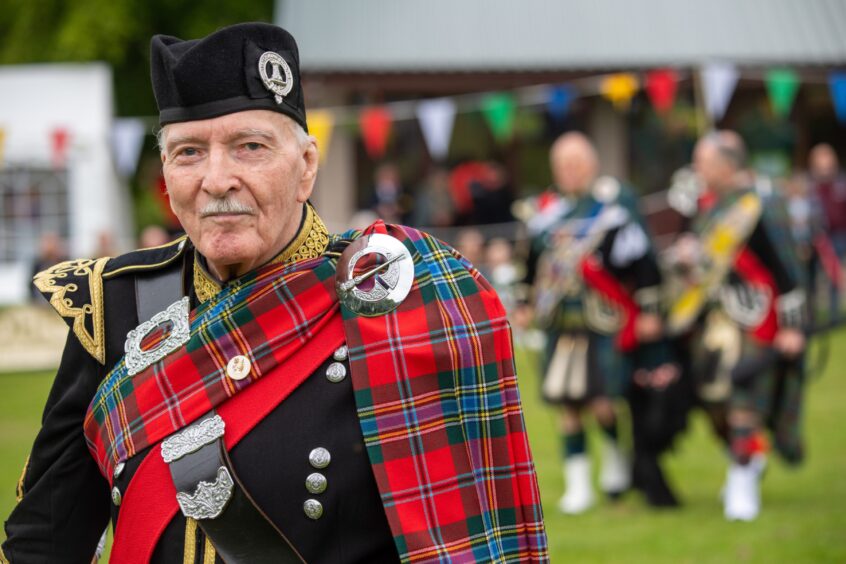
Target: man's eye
(186, 152)
(252, 146)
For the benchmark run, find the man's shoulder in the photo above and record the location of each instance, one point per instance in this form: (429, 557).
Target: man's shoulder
(75, 288)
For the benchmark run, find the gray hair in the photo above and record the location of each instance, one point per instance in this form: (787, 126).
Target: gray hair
(295, 128)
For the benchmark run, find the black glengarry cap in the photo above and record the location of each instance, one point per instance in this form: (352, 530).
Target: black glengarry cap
(249, 66)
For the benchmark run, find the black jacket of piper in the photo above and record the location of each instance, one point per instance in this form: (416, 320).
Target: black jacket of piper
(65, 503)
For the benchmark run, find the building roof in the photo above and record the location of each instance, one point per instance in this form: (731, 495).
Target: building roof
(507, 35)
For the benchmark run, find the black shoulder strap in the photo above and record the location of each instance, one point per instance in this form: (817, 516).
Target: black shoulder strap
(155, 291)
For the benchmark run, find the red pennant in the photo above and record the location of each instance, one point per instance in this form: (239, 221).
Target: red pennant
(375, 126)
(59, 138)
(661, 85)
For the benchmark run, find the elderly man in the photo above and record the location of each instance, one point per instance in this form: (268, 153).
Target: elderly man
(742, 307)
(262, 391)
(596, 295)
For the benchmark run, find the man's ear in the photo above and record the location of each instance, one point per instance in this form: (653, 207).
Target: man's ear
(311, 158)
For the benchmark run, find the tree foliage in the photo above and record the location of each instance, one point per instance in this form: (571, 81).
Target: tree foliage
(115, 31)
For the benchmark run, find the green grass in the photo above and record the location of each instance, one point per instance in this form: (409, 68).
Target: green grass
(803, 519)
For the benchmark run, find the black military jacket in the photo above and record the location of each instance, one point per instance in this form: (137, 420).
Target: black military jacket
(65, 503)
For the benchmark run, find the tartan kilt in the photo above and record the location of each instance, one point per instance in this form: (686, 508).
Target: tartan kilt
(582, 366)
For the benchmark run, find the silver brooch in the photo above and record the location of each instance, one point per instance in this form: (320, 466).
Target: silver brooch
(391, 280)
(193, 438)
(280, 81)
(209, 499)
(180, 331)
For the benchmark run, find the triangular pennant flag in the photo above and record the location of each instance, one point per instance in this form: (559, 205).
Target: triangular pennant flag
(127, 142)
(661, 86)
(718, 83)
(320, 125)
(619, 88)
(375, 123)
(499, 110)
(837, 86)
(59, 141)
(436, 120)
(782, 86)
(559, 100)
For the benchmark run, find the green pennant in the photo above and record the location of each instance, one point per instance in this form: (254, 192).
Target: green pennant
(499, 110)
(782, 86)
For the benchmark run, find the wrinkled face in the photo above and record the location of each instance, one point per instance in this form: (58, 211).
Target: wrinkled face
(237, 183)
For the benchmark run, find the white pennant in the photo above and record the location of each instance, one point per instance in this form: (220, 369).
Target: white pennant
(436, 120)
(718, 83)
(127, 142)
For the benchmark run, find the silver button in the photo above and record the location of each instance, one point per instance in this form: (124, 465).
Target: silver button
(341, 353)
(116, 495)
(336, 372)
(319, 457)
(316, 483)
(119, 470)
(313, 509)
(238, 367)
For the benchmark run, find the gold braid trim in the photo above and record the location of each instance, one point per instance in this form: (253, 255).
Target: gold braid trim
(310, 242)
(19, 491)
(50, 282)
(208, 552)
(190, 552)
(3, 559)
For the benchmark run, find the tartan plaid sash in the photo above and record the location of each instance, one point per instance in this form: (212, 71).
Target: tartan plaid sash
(266, 316)
(434, 383)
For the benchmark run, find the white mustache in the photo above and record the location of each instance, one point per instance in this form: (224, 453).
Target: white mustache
(225, 206)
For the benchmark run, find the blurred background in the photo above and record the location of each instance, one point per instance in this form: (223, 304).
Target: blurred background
(440, 114)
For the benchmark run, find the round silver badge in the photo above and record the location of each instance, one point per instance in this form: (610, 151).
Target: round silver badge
(319, 458)
(280, 79)
(316, 483)
(116, 497)
(238, 367)
(341, 353)
(313, 509)
(336, 372)
(381, 288)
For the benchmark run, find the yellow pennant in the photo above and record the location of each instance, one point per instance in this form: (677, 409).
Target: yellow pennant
(320, 124)
(620, 89)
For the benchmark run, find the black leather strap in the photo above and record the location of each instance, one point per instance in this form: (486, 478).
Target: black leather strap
(154, 292)
(242, 533)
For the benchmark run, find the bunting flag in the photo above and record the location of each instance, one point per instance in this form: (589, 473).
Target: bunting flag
(837, 86)
(59, 139)
(127, 142)
(619, 89)
(559, 100)
(718, 83)
(321, 123)
(375, 124)
(499, 109)
(661, 87)
(437, 118)
(782, 86)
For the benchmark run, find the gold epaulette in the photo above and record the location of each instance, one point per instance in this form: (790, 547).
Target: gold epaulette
(75, 290)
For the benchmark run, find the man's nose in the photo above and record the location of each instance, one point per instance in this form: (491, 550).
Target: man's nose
(219, 177)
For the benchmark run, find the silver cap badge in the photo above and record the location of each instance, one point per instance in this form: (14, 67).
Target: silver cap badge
(280, 81)
(391, 280)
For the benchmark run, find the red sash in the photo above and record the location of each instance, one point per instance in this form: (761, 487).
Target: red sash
(603, 282)
(149, 502)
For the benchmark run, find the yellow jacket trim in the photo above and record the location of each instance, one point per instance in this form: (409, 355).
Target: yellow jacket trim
(50, 282)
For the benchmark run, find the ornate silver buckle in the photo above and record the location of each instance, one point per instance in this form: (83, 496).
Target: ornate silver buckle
(392, 279)
(209, 499)
(193, 438)
(177, 314)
